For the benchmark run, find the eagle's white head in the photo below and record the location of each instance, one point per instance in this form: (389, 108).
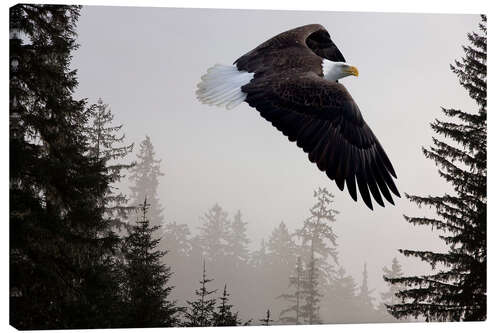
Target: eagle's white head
(334, 71)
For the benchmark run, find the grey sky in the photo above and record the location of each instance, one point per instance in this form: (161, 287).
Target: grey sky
(145, 63)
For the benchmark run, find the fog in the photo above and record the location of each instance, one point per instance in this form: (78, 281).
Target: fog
(145, 63)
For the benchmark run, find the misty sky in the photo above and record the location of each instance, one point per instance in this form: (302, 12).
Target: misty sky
(145, 63)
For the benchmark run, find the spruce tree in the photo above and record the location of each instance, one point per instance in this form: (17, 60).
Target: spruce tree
(107, 144)
(199, 313)
(457, 291)
(146, 278)
(145, 181)
(61, 269)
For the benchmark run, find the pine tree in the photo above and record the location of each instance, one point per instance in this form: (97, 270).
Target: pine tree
(293, 314)
(147, 292)
(224, 316)
(214, 233)
(105, 143)
(60, 246)
(457, 291)
(237, 241)
(145, 177)
(200, 311)
(267, 320)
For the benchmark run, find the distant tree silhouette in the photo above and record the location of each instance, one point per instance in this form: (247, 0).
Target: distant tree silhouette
(176, 238)
(146, 278)
(259, 258)
(280, 260)
(145, 181)
(366, 300)
(199, 312)
(294, 313)
(106, 144)
(364, 294)
(196, 248)
(319, 245)
(61, 248)
(458, 291)
(224, 315)
(282, 250)
(237, 241)
(340, 303)
(396, 271)
(310, 293)
(214, 234)
(317, 236)
(389, 297)
(266, 321)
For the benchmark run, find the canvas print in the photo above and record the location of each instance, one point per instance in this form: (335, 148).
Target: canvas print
(176, 167)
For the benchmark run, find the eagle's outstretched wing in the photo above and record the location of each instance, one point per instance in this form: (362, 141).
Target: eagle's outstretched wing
(301, 49)
(324, 120)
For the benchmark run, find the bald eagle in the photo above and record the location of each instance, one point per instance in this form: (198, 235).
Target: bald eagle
(292, 81)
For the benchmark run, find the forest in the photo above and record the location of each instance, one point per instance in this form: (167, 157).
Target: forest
(83, 254)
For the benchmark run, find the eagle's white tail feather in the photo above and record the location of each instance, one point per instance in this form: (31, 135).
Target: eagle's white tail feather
(221, 86)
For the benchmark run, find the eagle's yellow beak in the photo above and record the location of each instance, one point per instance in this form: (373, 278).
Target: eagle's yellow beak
(352, 71)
